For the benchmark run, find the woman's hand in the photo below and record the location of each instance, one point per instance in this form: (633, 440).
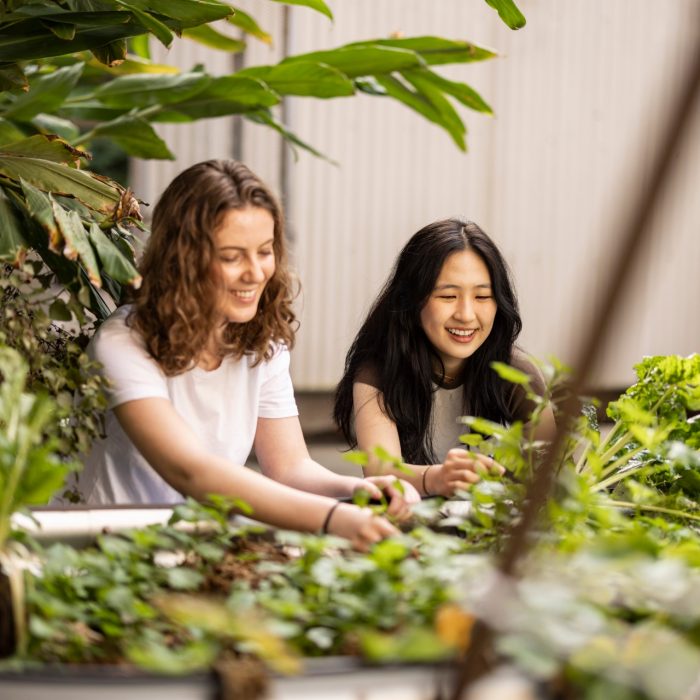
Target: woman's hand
(459, 471)
(399, 499)
(359, 525)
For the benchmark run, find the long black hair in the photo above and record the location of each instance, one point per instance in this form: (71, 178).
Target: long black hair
(393, 346)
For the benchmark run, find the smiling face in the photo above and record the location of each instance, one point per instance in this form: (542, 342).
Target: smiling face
(246, 261)
(460, 311)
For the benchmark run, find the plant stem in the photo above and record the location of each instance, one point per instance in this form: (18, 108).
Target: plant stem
(654, 509)
(616, 465)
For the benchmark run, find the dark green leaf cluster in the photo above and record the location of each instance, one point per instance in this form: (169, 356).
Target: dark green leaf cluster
(56, 361)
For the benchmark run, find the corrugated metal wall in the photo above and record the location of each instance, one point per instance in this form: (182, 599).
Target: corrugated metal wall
(580, 95)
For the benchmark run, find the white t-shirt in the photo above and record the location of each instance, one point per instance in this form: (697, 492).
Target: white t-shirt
(221, 406)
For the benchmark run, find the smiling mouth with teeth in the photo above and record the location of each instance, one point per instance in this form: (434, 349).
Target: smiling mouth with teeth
(461, 332)
(241, 294)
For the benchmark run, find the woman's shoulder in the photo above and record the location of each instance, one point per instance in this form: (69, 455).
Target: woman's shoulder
(368, 373)
(115, 339)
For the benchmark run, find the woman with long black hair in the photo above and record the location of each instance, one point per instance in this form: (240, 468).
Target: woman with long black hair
(422, 358)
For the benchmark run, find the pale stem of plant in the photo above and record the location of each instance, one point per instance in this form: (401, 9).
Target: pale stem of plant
(654, 509)
(623, 475)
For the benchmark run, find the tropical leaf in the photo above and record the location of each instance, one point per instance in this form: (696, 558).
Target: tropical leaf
(147, 89)
(508, 12)
(303, 78)
(77, 246)
(149, 22)
(50, 148)
(40, 209)
(208, 36)
(136, 136)
(114, 262)
(435, 50)
(244, 21)
(423, 105)
(364, 59)
(460, 91)
(230, 94)
(9, 132)
(46, 93)
(90, 189)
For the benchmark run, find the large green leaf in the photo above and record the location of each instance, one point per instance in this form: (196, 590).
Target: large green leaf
(154, 26)
(435, 50)
(114, 262)
(265, 116)
(12, 78)
(46, 93)
(136, 136)
(460, 91)
(208, 36)
(40, 209)
(51, 124)
(244, 21)
(421, 104)
(303, 78)
(318, 5)
(356, 61)
(449, 118)
(45, 147)
(230, 94)
(508, 12)
(187, 13)
(77, 245)
(111, 54)
(93, 191)
(147, 89)
(12, 243)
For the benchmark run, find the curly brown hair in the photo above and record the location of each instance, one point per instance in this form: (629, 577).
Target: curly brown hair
(175, 310)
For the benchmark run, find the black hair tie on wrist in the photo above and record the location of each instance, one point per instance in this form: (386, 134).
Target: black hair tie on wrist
(425, 473)
(327, 520)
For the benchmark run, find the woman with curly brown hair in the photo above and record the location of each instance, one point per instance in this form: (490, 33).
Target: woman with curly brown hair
(199, 368)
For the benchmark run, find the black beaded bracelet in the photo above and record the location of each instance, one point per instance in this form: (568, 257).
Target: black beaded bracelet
(425, 473)
(327, 521)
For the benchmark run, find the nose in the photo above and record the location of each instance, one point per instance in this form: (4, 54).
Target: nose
(254, 271)
(465, 310)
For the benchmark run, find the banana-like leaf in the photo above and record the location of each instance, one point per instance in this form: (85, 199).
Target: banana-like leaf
(136, 136)
(12, 243)
(264, 116)
(435, 50)
(508, 12)
(50, 148)
(154, 26)
(208, 36)
(40, 209)
(46, 93)
(186, 13)
(244, 21)
(460, 91)
(140, 45)
(449, 118)
(357, 61)
(419, 103)
(318, 5)
(230, 94)
(95, 192)
(114, 262)
(77, 245)
(51, 124)
(148, 89)
(303, 78)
